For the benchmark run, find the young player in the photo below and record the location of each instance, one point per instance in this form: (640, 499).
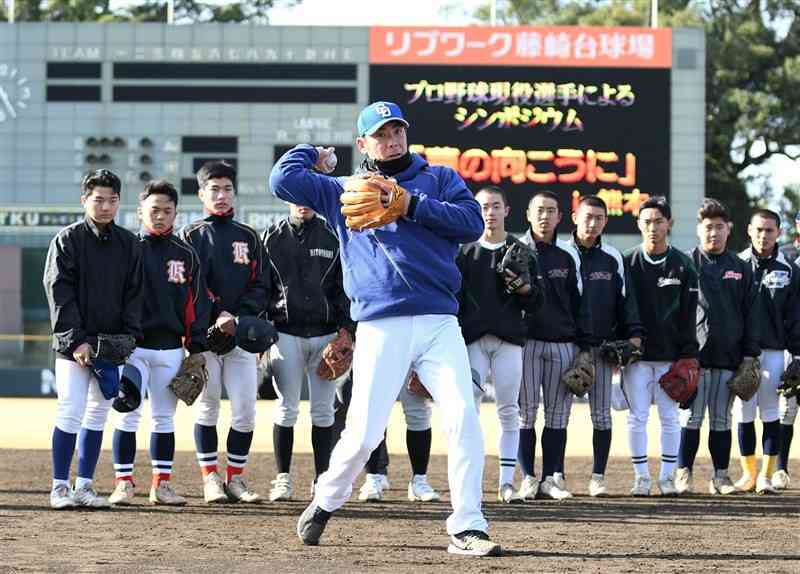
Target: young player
(402, 282)
(175, 317)
(727, 332)
(492, 303)
(232, 259)
(615, 316)
(93, 283)
(308, 306)
(778, 282)
(556, 333)
(664, 282)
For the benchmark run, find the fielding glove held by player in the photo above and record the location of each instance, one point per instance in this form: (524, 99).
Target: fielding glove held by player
(514, 267)
(580, 376)
(415, 386)
(219, 341)
(191, 378)
(681, 381)
(114, 349)
(337, 356)
(790, 380)
(363, 205)
(620, 353)
(745, 382)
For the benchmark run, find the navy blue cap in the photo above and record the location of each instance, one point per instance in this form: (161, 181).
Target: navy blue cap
(378, 114)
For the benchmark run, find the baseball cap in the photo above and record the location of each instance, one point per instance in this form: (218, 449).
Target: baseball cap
(376, 115)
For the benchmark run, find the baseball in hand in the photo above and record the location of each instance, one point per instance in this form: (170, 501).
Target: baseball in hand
(327, 160)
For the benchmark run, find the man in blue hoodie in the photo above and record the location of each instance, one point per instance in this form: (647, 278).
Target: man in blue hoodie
(402, 282)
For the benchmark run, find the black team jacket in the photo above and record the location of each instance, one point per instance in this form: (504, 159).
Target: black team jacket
(605, 278)
(565, 316)
(177, 305)
(93, 282)
(666, 292)
(727, 314)
(484, 306)
(777, 280)
(306, 298)
(233, 261)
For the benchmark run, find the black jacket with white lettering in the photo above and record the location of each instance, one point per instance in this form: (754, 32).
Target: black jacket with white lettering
(484, 306)
(233, 262)
(565, 316)
(615, 314)
(727, 314)
(177, 305)
(307, 297)
(93, 282)
(777, 280)
(666, 292)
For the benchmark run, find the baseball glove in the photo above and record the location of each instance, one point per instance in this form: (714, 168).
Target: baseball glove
(516, 262)
(336, 356)
(415, 386)
(745, 382)
(113, 348)
(191, 378)
(363, 206)
(580, 376)
(620, 353)
(790, 380)
(219, 341)
(680, 382)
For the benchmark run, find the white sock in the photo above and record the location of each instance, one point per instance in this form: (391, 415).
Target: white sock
(638, 445)
(670, 443)
(58, 482)
(82, 482)
(508, 447)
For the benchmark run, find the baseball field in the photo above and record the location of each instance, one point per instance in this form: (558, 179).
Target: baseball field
(698, 533)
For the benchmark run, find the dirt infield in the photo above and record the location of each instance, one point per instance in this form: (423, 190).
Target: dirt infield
(618, 534)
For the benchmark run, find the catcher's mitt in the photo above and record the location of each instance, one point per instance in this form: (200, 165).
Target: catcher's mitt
(191, 378)
(219, 341)
(112, 348)
(745, 382)
(580, 376)
(620, 353)
(363, 206)
(680, 382)
(790, 380)
(415, 386)
(336, 356)
(516, 262)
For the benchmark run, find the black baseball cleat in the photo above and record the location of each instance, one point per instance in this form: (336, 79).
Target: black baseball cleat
(473, 543)
(311, 524)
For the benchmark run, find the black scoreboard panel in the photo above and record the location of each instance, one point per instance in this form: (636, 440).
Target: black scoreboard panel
(574, 131)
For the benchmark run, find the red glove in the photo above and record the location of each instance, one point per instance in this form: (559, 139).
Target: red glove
(681, 381)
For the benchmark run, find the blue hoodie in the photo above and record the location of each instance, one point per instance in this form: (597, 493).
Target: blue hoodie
(403, 268)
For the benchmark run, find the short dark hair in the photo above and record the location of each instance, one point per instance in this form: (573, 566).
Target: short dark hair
(546, 194)
(216, 170)
(159, 187)
(495, 190)
(658, 202)
(100, 178)
(767, 214)
(594, 201)
(712, 209)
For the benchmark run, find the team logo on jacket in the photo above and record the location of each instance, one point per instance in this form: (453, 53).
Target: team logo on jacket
(241, 252)
(776, 279)
(558, 273)
(732, 275)
(667, 281)
(326, 253)
(176, 272)
(599, 276)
